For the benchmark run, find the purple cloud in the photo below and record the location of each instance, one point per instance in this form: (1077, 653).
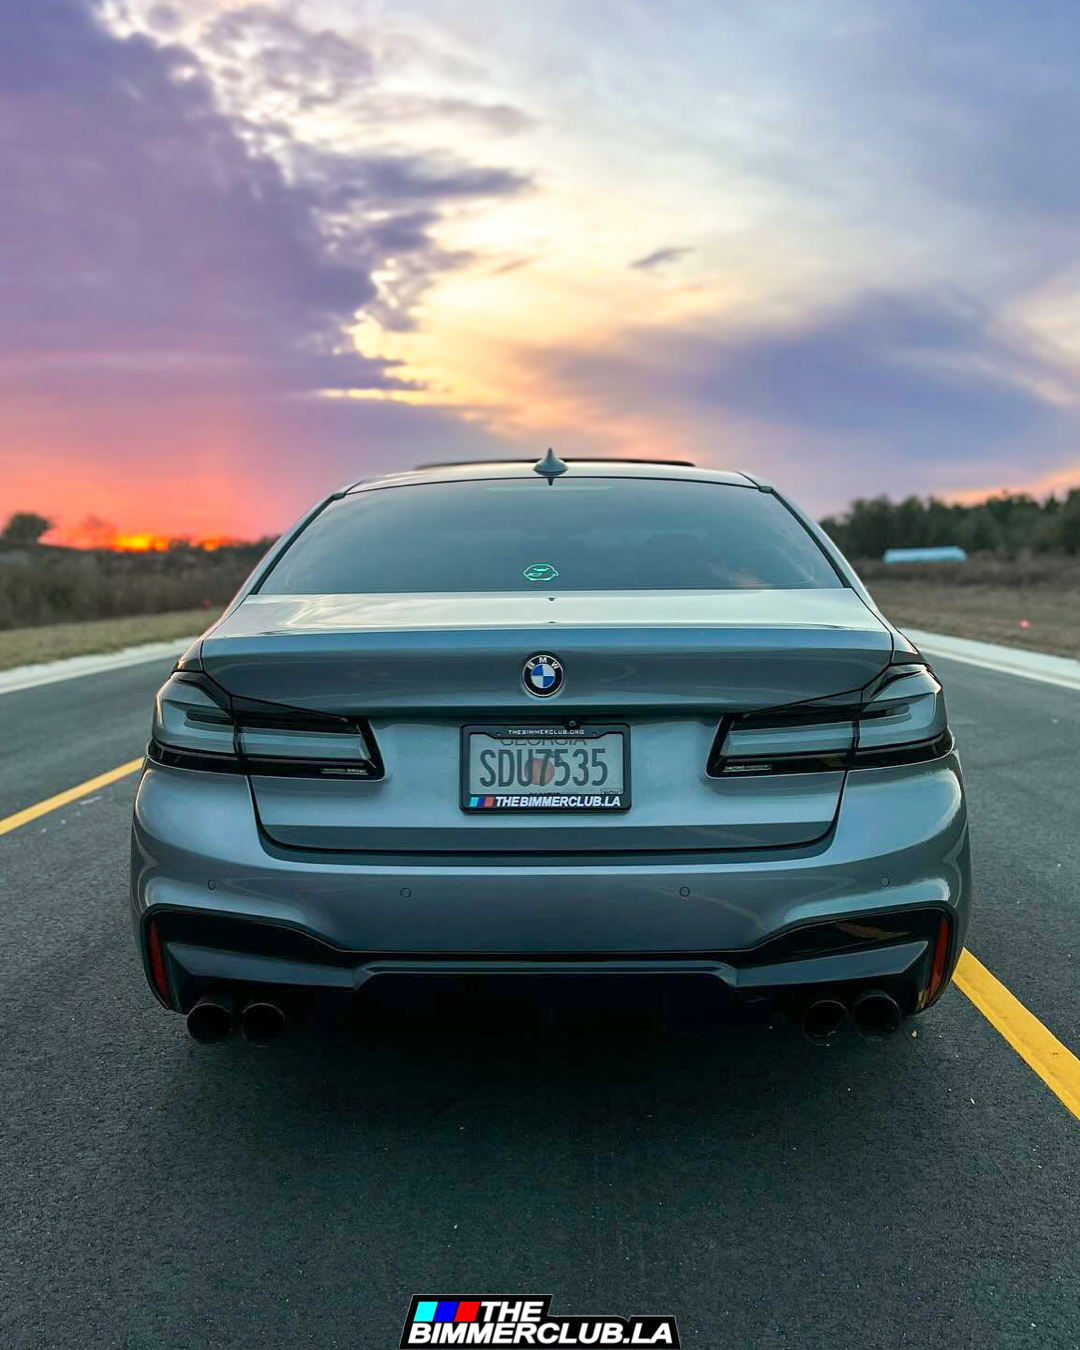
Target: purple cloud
(660, 256)
(139, 219)
(880, 393)
(173, 297)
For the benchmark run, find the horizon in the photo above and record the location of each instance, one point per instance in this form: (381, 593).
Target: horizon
(254, 250)
(94, 534)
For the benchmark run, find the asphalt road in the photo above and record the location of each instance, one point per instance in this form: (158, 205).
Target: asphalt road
(153, 1193)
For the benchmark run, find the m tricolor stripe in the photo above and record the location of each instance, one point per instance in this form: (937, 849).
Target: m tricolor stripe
(444, 1310)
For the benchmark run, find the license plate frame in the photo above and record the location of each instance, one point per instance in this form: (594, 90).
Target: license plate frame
(474, 803)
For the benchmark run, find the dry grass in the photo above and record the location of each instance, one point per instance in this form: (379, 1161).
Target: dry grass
(1029, 571)
(50, 585)
(23, 646)
(986, 599)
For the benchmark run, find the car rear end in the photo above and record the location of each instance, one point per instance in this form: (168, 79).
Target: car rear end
(639, 721)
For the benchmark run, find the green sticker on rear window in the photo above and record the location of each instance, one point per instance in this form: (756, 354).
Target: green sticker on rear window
(540, 572)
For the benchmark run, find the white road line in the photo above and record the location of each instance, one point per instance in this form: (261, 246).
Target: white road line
(1059, 670)
(49, 672)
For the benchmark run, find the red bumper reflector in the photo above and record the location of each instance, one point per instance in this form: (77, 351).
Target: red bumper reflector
(941, 956)
(157, 962)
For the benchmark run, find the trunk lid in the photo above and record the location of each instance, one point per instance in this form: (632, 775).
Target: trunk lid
(621, 651)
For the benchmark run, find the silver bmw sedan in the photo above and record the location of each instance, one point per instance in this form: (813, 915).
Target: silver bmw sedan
(611, 719)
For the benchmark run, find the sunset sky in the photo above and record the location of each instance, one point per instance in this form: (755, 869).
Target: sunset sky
(251, 252)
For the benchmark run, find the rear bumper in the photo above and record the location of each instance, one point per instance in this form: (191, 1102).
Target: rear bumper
(231, 908)
(307, 972)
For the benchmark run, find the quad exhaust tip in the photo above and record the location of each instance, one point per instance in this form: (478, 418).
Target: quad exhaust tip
(876, 1015)
(823, 1019)
(212, 1019)
(262, 1022)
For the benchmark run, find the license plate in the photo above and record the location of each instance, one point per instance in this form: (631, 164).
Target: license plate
(529, 768)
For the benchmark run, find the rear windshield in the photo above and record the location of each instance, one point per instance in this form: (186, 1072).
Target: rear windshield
(578, 534)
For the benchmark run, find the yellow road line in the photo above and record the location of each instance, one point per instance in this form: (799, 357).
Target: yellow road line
(1056, 1066)
(71, 795)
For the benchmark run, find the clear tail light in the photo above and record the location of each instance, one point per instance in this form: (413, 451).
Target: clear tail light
(198, 725)
(908, 708)
(900, 718)
(807, 740)
(187, 718)
(340, 749)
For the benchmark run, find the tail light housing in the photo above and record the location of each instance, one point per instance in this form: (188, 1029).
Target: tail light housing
(900, 718)
(198, 725)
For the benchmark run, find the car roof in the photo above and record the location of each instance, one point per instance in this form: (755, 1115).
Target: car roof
(584, 467)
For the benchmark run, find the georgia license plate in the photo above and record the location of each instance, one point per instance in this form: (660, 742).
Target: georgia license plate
(523, 768)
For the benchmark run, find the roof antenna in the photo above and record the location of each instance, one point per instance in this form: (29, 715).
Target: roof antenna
(550, 466)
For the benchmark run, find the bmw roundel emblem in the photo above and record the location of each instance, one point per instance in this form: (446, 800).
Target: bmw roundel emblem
(543, 676)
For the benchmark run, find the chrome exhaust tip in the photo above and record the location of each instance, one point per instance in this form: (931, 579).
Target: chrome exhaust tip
(876, 1015)
(262, 1022)
(823, 1019)
(212, 1019)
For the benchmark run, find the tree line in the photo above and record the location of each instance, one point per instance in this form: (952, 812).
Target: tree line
(1007, 524)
